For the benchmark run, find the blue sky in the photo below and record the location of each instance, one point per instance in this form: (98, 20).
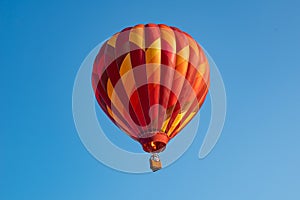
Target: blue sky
(256, 47)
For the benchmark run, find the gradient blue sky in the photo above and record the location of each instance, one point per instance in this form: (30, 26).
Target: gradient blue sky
(256, 46)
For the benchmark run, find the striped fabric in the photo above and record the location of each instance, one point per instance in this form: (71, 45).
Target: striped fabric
(151, 80)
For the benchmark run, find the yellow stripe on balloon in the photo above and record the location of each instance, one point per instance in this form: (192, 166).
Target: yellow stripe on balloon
(168, 35)
(153, 55)
(165, 124)
(109, 88)
(176, 122)
(155, 45)
(112, 40)
(202, 68)
(153, 72)
(185, 122)
(193, 45)
(129, 81)
(126, 65)
(184, 53)
(115, 100)
(136, 36)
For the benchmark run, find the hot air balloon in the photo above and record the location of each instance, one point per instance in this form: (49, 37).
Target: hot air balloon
(151, 80)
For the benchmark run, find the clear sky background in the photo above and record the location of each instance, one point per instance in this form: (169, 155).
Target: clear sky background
(256, 46)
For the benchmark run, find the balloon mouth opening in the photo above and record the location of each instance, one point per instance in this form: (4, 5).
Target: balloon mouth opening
(156, 143)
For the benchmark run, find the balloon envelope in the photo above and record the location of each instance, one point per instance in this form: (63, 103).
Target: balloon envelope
(151, 80)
